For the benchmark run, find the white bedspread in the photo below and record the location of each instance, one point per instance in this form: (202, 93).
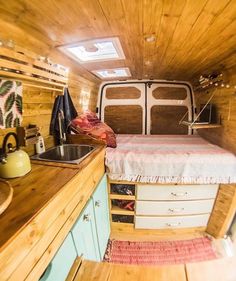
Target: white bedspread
(169, 159)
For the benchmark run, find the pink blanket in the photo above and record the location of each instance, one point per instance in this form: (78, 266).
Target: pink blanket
(169, 159)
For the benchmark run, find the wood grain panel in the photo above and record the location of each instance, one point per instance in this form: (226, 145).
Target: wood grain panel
(188, 33)
(223, 211)
(116, 272)
(169, 93)
(123, 93)
(225, 102)
(165, 120)
(124, 119)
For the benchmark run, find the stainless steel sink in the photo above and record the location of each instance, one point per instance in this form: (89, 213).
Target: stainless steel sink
(65, 153)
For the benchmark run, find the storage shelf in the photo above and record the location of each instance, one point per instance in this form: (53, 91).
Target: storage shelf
(200, 126)
(115, 210)
(122, 197)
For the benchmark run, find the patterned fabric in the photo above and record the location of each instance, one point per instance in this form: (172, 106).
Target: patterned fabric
(10, 104)
(89, 124)
(161, 252)
(170, 159)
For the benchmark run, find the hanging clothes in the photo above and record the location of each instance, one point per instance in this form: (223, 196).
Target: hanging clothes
(63, 105)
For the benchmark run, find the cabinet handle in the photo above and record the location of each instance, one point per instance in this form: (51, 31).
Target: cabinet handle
(97, 203)
(173, 224)
(86, 217)
(176, 210)
(179, 194)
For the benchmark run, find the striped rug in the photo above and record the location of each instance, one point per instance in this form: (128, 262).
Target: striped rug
(160, 253)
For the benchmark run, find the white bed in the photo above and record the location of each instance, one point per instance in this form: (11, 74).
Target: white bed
(170, 159)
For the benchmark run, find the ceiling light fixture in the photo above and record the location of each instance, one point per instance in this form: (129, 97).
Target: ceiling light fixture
(104, 49)
(112, 73)
(150, 38)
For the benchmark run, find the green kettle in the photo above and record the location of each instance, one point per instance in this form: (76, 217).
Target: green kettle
(13, 163)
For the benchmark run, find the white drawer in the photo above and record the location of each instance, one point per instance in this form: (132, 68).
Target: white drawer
(145, 222)
(173, 208)
(176, 192)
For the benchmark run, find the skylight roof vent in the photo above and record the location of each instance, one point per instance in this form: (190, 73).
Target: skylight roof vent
(112, 73)
(96, 50)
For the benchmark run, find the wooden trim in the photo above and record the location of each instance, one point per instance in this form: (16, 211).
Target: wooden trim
(74, 269)
(121, 197)
(122, 229)
(115, 210)
(223, 211)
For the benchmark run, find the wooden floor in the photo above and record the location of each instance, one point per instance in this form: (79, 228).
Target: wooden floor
(217, 270)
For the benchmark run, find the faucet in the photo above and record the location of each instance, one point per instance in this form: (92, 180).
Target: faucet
(62, 134)
(3, 150)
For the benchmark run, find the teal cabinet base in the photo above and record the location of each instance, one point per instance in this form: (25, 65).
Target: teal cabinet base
(60, 266)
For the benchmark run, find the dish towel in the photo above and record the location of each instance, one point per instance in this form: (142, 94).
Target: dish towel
(10, 103)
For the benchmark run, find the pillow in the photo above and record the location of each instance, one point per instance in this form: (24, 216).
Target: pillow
(89, 124)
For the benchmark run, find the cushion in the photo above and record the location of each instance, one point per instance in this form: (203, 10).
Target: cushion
(89, 124)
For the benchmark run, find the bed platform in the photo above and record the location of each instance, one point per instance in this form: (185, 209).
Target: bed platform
(182, 159)
(173, 183)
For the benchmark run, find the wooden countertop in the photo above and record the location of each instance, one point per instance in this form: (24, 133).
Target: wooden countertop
(34, 194)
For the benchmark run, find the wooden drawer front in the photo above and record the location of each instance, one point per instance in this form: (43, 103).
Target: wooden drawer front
(173, 208)
(146, 222)
(176, 192)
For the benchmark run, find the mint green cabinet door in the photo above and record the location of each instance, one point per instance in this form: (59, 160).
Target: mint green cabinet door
(101, 212)
(59, 267)
(84, 234)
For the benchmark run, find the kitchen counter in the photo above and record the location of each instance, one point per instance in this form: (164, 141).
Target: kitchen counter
(46, 203)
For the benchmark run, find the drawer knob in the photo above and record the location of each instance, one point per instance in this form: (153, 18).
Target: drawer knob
(86, 217)
(179, 194)
(173, 224)
(176, 210)
(98, 203)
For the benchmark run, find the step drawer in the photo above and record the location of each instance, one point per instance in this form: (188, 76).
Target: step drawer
(146, 222)
(176, 192)
(173, 208)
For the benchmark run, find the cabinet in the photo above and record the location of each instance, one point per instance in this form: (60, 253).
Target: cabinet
(84, 234)
(92, 229)
(88, 237)
(59, 267)
(101, 213)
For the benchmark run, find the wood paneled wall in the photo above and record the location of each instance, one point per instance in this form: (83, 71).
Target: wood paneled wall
(225, 102)
(38, 102)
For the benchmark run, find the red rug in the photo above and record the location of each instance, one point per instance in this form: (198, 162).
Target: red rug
(160, 253)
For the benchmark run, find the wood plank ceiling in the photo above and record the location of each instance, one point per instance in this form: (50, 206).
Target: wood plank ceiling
(192, 37)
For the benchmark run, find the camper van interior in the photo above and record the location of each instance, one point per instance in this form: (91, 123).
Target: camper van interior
(118, 140)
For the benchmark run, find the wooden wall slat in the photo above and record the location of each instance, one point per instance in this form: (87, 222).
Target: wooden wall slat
(169, 93)
(223, 211)
(124, 119)
(165, 120)
(123, 93)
